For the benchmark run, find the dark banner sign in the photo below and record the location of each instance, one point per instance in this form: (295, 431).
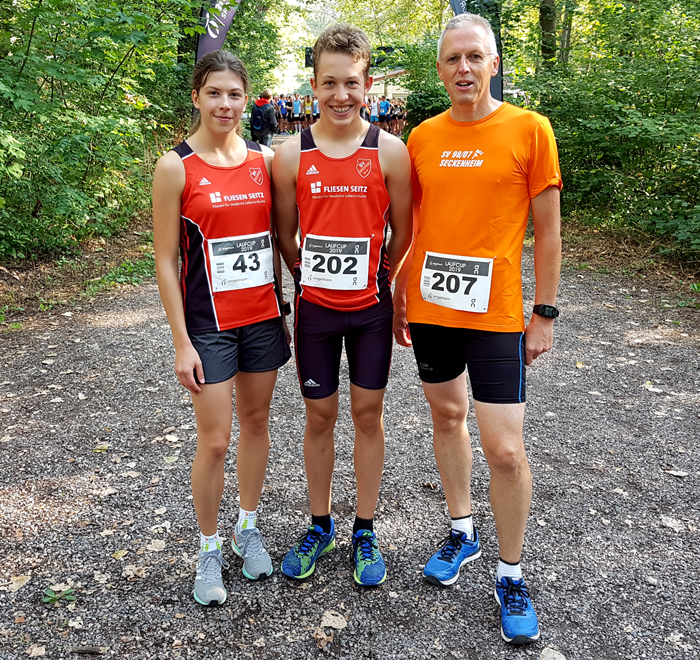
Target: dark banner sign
(216, 25)
(489, 10)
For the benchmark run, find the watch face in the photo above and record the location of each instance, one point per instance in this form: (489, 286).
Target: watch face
(547, 311)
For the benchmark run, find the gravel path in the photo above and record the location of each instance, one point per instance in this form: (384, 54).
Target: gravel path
(97, 437)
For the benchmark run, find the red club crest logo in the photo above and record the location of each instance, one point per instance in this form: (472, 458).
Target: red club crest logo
(257, 175)
(364, 167)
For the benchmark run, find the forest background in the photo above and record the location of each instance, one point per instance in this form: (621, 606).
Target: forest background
(92, 92)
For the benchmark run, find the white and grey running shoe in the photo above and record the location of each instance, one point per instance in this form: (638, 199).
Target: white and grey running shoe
(248, 544)
(209, 588)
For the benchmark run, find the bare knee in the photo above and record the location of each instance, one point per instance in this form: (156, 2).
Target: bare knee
(213, 447)
(367, 419)
(254, 423)
(321, 420)
(507, 458)
(448, 416)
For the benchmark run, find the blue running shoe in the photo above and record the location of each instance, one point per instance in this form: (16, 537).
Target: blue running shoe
(454, 551)
(370, 569)
(300, 561)
(518, 618)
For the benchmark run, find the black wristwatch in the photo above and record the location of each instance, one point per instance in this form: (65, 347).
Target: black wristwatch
(286, 308)
(547, 311)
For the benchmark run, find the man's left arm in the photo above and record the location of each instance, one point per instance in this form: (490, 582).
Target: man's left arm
(539, 333)
(396, 167)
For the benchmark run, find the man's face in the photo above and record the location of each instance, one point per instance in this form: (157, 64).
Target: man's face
(466, 65)
(340, 86)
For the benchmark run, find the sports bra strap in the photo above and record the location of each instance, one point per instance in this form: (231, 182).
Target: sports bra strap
(183, 149)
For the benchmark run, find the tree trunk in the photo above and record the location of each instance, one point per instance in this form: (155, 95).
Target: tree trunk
(567, 24)
(548, 25)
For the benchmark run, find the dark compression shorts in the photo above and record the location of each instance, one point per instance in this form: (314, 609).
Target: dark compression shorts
(318, 339)
(495, 360)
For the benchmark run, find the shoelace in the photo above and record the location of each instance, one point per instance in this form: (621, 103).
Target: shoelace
(450, 546)
(307, 541)
(208, 566)
(515, 595)
(253, 545)
(367, 546)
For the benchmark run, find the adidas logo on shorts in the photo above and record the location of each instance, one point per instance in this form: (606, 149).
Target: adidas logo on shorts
(205, 182)
(311, 383)
(312, 170)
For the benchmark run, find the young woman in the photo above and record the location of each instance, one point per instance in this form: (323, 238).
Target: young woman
(308, 111)
(211, 197)
(290, 114)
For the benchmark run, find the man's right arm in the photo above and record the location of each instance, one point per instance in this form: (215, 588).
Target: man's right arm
(284, 177)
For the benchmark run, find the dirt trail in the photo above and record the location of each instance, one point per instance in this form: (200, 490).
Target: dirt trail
(97, 437)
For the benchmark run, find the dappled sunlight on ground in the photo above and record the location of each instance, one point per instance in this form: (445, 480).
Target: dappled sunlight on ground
(658, 334)
(32, 508)
(126, 318)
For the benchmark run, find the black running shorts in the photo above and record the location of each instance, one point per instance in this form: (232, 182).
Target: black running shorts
(318, 339)
(495, 360)
(251, 348)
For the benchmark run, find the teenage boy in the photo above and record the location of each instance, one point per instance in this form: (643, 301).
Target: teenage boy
(341, 184)
(480, 169)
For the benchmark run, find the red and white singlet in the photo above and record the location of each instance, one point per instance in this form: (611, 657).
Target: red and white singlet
(227, 277)
(343, 208)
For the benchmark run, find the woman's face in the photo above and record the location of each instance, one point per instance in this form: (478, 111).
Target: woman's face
(220, 101)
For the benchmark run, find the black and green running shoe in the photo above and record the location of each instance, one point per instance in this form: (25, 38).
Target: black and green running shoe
(300, 561)
(370, 569)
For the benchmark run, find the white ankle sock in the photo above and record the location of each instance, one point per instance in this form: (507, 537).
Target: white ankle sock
(465, 525)
(209, 543)
(508, 570)
(246, 520)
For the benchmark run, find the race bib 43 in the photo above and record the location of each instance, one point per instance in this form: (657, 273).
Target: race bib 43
(241, 262)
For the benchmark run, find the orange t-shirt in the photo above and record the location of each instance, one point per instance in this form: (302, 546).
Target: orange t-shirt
(475, 181)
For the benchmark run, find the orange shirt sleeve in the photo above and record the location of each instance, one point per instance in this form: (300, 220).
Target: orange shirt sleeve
(543, 165)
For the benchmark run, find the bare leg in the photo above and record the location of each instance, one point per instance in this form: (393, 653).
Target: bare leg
(253, 396)
(449, 405)
(319, 451)
(213, 408)
(501, 429)
(367, 415)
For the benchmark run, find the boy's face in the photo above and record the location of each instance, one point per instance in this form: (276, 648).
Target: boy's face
(340, 86)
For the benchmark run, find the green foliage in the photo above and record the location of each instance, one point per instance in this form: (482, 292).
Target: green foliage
(129, 272)
(91, 93)
(424, 104)
(132, 272)
(53, 597)
(427, 96)
(623, 101)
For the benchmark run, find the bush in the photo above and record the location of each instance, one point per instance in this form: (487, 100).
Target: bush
(91, 94)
